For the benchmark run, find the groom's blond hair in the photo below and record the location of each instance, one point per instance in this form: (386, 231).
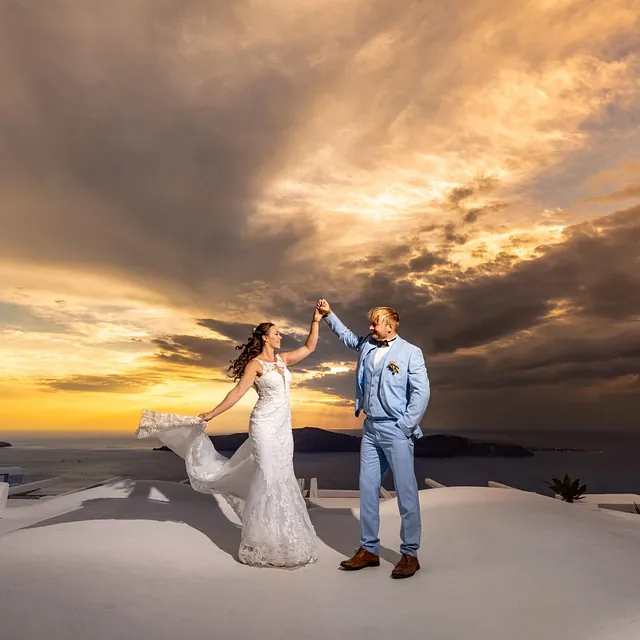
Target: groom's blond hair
(385, 313)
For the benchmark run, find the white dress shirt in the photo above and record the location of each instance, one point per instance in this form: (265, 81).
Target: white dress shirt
(381, 352)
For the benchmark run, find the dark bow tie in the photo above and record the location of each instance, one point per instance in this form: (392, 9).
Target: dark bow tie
(382, 343)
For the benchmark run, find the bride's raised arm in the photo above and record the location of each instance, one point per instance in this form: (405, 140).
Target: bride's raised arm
(298, 355)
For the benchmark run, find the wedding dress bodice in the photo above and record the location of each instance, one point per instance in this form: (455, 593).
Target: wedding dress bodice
(273, 385)
(270, 421)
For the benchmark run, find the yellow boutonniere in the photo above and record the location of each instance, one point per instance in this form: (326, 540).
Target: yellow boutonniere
(393, 367)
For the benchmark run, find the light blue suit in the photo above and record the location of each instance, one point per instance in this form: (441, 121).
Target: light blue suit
(394, 404)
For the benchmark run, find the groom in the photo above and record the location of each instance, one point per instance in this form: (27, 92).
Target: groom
(392, 389)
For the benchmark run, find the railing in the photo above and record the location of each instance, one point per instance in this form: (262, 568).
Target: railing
(499, 485)
(4, 494)
(315, 492)
(385, 494)
(30, 487)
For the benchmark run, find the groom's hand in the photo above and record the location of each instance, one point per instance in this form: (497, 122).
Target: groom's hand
(323, 307)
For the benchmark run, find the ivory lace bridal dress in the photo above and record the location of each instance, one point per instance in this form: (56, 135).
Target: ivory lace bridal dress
(258, 481)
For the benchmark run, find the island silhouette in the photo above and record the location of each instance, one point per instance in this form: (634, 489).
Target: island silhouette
(316, 440)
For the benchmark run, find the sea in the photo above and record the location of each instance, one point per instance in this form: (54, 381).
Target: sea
(607, 462)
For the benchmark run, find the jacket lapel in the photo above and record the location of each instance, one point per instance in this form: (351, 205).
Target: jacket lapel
(385, 381)
(366, 349)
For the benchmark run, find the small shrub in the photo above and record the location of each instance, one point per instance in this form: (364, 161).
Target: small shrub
(569, 490)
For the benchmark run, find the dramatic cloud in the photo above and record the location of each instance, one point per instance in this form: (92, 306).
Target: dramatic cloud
(569, 316)
(172, 174)
(237, 331)
(22, 318)
(164, 143)
(632, 192)
(193, 350)
(103, 384)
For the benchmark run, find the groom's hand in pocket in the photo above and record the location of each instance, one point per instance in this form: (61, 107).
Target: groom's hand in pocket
(407, 431)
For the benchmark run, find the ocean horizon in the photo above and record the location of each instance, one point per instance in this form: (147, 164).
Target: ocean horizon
(552, 438)
(608, 462)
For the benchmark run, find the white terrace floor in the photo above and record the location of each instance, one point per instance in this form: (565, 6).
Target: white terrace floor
(156, 560)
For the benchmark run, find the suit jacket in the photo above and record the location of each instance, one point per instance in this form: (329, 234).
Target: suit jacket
(405, 394)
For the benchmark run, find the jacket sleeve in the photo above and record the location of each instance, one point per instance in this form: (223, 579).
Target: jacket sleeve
(345, 335)
(418, 382)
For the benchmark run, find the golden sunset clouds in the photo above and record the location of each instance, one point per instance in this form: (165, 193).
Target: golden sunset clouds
(173, 174)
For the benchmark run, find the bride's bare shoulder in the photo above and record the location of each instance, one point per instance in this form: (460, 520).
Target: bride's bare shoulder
(255, 364)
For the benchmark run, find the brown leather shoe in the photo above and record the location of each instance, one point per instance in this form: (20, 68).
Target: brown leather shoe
(406, 567)
(361, 559)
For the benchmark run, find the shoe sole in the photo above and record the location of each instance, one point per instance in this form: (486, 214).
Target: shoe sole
(370, 564)
(399, 577)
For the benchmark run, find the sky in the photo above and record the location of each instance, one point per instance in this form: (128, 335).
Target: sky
(174, 173)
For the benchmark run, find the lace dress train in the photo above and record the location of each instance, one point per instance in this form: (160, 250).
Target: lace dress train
(258, 481)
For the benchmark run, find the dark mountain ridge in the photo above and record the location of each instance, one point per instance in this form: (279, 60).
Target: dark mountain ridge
(315, 440)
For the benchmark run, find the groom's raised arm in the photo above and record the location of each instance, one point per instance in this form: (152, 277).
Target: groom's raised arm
(345, 335)
(418, 381)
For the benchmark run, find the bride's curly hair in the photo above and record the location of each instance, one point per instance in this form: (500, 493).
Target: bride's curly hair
(249, 350)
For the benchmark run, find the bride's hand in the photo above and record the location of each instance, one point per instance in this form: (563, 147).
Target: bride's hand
(206, 416)
(317, 315)
(323, 307)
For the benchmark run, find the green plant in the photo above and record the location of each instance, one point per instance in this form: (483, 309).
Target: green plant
(569, 490)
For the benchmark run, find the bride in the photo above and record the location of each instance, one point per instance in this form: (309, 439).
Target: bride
(258, 481)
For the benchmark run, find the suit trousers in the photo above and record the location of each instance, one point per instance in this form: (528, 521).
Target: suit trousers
(385, 447)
